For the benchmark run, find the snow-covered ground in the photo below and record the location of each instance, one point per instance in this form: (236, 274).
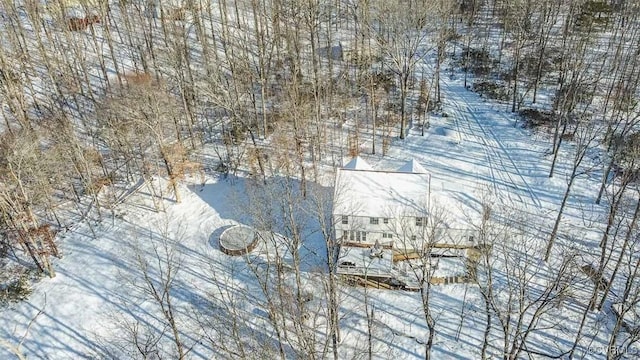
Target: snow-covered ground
(475, 155)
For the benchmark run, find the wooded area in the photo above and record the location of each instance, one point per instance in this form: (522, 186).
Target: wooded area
(96, 93)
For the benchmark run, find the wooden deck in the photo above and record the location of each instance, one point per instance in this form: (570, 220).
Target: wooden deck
(399, 280)
(397, 284)
(387, 245)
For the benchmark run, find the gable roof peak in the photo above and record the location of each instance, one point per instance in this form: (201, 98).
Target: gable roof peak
(358, 163)
(412, 166)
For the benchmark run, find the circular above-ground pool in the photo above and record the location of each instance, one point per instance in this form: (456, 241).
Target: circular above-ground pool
(238, 240)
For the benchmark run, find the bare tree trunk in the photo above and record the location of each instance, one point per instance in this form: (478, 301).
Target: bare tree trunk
(516, 73)
(158, 273)
(625, 244)
(556, 224)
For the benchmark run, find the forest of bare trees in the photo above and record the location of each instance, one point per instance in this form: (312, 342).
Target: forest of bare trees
(97, 93)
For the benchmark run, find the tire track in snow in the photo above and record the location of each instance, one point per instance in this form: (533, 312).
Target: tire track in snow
(529, 190)
(500, 183)
(480, 140)
(495, 153)
(507, 182)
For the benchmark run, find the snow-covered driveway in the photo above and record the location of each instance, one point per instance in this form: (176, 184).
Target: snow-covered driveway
(479, 133)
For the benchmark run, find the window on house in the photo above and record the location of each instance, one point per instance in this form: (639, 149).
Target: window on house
(352, 235)
(413, 238)
(373, 221)
(345, 235)
(419, 221)
(345, 219)
(387, 236)
(361, 236)
(385, 220)
(364, 236)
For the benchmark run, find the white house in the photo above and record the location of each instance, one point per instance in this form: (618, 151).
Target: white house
(388, 210)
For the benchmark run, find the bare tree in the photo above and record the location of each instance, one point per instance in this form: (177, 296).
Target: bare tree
(141, 123)
(25, 188)
(548, 17)
(151, 310)
(584, 136)
(620, 123)
(517, 21)
(321, 208)
(623, 334)
(15, 348)
(278, 212)
(230, 330)
(401, 30)
(616, 225)
(420, 241)
(520, 295)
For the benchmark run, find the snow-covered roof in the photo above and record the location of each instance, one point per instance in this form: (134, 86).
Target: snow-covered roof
(371, 193)
(412, 166)
(358, 163)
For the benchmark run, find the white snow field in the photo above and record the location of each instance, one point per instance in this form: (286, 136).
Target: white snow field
(475, 155)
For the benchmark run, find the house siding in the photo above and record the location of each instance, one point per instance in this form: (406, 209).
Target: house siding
(402, 230)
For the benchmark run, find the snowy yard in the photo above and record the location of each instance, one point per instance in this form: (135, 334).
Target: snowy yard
(236, 115)
(482, 158)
